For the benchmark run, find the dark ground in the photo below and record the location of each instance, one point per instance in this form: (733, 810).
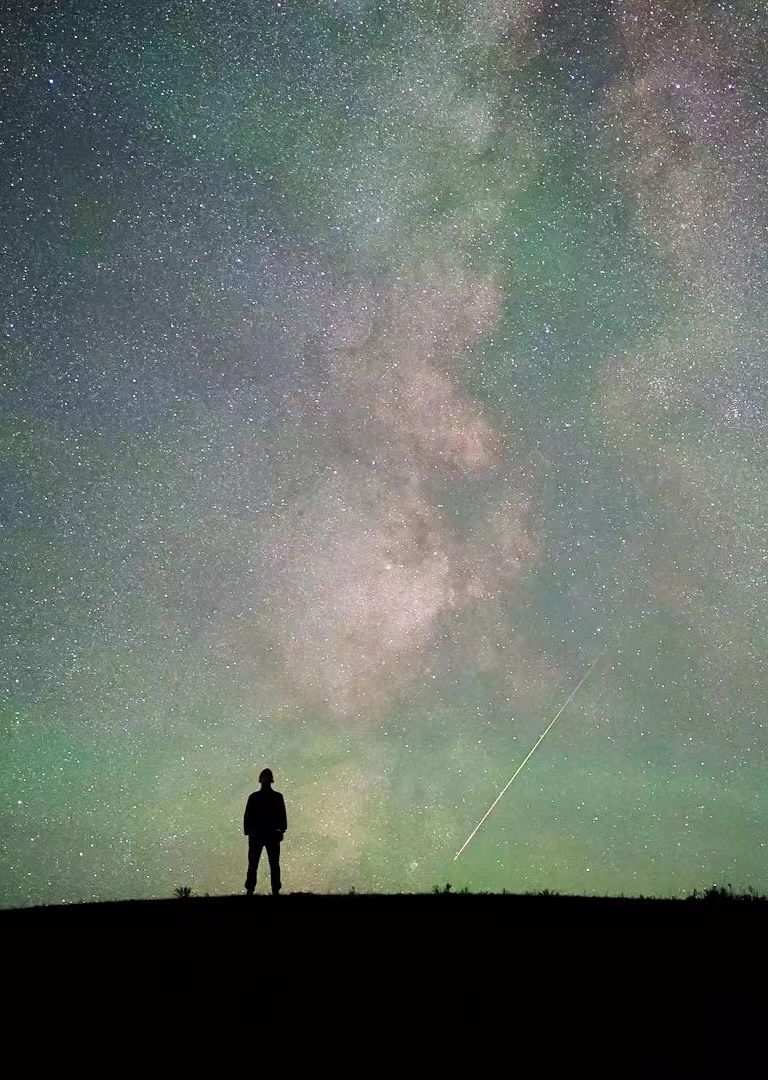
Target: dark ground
(317, 979)
(396, 909)
(394, 906)
(422, 918)
(471, 932)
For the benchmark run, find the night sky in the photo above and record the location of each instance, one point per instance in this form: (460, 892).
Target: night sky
(368, 369)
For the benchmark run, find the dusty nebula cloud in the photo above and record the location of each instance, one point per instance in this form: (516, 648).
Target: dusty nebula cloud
(367, 370)
(370, 561)
(688, 408)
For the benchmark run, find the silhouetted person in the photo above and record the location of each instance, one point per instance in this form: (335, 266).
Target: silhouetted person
(264, 824)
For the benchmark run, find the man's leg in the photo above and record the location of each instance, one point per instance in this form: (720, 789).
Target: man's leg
(273, 853)
(254, 854)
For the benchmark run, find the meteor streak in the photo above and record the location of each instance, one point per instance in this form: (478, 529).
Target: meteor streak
(527, 757)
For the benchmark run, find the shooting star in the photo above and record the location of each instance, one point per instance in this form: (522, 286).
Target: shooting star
(527, 757)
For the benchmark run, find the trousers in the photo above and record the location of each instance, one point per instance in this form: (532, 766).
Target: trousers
(256, 844)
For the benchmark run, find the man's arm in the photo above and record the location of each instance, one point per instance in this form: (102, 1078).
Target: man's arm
(247, 816)
(283, 823)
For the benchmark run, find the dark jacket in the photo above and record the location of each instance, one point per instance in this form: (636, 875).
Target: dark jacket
(265, 814)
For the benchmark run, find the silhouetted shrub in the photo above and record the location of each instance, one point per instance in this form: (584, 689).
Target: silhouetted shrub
(182, 892)
(724, 894)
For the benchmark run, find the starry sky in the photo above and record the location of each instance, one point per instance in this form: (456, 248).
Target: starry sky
(366, 370)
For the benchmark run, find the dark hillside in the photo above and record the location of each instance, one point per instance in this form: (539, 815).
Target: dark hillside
(428, 965)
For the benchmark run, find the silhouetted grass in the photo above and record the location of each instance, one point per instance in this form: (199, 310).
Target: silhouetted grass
(466, 935)
(725, 894)
(441, 897)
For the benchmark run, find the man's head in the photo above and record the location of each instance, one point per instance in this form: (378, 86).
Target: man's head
(266, 778)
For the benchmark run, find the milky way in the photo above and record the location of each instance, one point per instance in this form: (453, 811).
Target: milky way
(366, 371)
